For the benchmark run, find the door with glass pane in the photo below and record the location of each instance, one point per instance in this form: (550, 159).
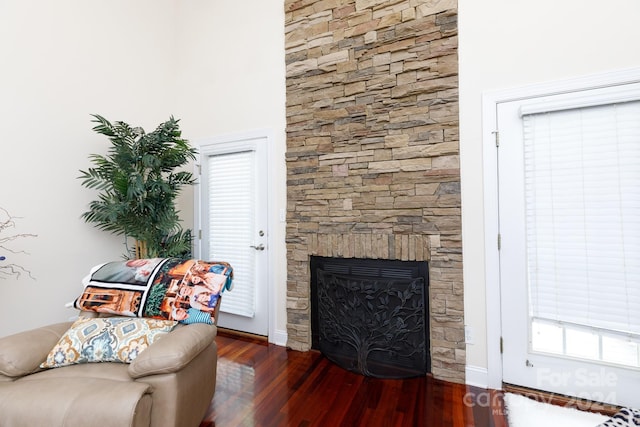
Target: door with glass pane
(569, 214)
(233, 219)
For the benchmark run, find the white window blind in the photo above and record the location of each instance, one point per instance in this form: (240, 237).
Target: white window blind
(231, 225)
(582, 197)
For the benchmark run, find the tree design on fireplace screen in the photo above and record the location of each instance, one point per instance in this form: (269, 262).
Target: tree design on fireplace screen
(373, 326)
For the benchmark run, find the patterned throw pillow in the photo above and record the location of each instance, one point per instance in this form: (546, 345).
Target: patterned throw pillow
(626, 417)
(106, 339)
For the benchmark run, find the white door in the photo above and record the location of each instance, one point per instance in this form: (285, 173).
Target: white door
(568, 177)
(233, 219)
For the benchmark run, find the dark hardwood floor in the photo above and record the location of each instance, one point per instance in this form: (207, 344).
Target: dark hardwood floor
(260, 384)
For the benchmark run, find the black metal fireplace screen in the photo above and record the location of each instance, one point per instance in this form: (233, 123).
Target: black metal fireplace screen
(371, 316)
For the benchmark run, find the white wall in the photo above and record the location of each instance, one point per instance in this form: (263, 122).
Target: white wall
(230, 79)
(505, 44)
(62, 61)
(213, 65)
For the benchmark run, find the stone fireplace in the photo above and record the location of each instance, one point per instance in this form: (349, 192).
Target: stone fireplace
(372, 152)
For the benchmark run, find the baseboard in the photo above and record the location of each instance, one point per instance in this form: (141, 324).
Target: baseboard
(477, 376)
(279, 337)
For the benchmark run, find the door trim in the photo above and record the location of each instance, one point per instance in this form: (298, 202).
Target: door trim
(490, 101)
(267, 134)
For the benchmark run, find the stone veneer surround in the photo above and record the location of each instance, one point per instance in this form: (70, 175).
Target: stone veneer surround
(372, 151)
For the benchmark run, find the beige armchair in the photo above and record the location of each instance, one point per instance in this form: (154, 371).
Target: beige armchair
(169, 384)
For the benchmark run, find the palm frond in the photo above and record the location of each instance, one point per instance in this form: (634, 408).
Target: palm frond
(138, 184)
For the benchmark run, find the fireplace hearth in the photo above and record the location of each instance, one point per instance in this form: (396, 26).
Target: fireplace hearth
(371, 316)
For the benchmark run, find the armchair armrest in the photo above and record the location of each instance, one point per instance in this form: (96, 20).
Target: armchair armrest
(22, 353)
(173, 351)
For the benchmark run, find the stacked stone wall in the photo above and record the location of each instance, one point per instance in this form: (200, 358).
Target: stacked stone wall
(372, 151)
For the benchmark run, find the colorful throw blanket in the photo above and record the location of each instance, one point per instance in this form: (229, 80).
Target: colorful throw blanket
(161, 288)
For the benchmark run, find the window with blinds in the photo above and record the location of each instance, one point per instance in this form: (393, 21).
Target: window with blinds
(231, 180)
(582, 198)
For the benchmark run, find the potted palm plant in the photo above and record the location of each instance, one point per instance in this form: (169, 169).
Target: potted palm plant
(138, 181)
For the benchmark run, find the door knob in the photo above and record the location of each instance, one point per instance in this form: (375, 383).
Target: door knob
(260, 247)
